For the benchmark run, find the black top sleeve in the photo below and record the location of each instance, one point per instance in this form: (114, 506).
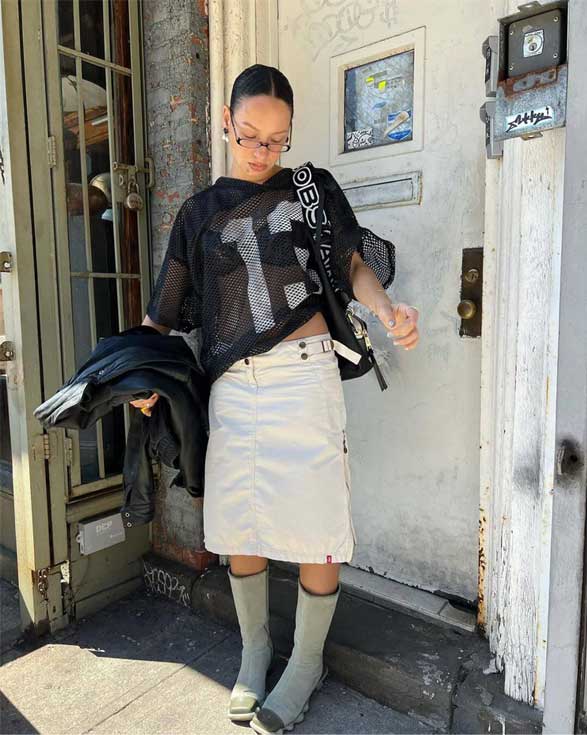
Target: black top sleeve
(348, 237)
(176, 299)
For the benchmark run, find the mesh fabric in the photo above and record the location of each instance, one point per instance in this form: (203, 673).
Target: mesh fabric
(239, 265)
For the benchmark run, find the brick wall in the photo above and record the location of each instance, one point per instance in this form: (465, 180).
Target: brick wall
(177, 103)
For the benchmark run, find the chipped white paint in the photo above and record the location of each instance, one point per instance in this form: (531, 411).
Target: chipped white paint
(519, 359)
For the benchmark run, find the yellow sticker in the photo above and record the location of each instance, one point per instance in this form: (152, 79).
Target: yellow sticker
(369, 80)
(382, 84)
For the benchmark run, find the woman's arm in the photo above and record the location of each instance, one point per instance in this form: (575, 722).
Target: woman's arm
(400, 320)
(366, 286)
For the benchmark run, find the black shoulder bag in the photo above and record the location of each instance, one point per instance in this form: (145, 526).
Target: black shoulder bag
(354, 350)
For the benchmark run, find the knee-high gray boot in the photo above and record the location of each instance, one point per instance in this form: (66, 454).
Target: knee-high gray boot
(290, 698)
(251, 600)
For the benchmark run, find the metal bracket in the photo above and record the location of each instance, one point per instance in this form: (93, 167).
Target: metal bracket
(40, 578)
(494, 148)
(127, 171)
(490, 52)
(6, 351)
(5, 262)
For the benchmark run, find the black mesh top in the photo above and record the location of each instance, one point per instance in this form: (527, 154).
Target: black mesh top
(239, 265)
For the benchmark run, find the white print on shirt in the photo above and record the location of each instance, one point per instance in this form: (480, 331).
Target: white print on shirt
(241, 232)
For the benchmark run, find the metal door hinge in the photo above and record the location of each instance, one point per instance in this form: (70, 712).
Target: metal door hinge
(68, 451)
(42, 449)
(41, 577)
(51, 151)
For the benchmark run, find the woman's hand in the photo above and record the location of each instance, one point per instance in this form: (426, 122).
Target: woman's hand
(400, 321)
(146, 404)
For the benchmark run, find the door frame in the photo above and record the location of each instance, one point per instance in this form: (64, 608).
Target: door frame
(567, 614)
(39, 579)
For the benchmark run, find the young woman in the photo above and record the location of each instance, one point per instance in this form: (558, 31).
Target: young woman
(277, 483)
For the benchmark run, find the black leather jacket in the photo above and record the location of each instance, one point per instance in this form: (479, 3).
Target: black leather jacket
(131, 365)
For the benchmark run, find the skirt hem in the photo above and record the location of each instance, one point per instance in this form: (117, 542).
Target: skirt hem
(280, 555)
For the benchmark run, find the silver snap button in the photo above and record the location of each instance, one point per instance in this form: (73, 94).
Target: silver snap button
(129, 524)
(304, 355)
(127, 515)
(302, 344)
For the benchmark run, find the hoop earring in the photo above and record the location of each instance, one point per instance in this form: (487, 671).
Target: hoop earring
(225, 136)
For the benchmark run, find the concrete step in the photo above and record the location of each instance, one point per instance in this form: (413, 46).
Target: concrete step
(436, 673)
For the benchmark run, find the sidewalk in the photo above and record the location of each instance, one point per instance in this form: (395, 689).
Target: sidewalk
(147, 665)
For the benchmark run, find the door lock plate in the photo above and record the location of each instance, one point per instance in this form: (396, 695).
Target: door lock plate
(469, 307)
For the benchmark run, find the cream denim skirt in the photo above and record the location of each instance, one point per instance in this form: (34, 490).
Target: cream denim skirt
(277, 474)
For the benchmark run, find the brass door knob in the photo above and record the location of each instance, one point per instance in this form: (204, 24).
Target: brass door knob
(467, 309)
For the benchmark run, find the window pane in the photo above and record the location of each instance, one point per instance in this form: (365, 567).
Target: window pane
(124, 146)
(82, 335)
(91, 26)
(88, 452)
(106, 302)
(97, 163)
(65, 21)
(119, 33)
(133, 310)
(378, 102)
(114, 435)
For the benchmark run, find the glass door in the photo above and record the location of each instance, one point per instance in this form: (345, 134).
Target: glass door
(94, 88)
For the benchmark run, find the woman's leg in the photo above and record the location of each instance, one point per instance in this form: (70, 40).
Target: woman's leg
(320, 579)
(241, 565)
(318, 593)
(249, 581)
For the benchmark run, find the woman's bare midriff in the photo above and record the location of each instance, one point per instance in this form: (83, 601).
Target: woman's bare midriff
(316, 325)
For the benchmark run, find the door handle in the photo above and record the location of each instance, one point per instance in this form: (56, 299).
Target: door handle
(470, 298)
(467, 309)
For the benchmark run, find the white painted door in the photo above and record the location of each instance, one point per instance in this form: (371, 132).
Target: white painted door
(415, 447)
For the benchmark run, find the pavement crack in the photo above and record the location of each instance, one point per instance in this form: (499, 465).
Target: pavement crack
(158, 683)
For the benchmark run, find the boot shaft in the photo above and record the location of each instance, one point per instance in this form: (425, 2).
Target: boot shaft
(250, 594)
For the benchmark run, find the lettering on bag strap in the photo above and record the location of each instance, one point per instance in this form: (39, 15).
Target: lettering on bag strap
(309, 196)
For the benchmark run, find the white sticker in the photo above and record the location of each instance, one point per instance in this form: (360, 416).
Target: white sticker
(359, 138)
(528, 119)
